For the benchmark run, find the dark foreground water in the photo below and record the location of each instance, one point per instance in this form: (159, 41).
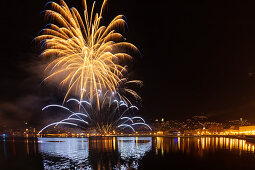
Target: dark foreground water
(127, 153)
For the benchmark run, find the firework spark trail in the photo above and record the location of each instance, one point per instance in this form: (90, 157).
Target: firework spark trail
(126, 125)
(129, 122)
(60, 106)
(141, 124)
(68, 123)
(124, 90)
(86, 55)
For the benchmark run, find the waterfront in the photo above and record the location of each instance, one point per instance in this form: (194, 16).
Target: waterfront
(127, 152)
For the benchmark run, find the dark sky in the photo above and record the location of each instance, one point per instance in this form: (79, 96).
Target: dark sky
(196, 57)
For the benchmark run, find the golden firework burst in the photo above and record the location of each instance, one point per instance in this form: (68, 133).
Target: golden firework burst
(87, 57)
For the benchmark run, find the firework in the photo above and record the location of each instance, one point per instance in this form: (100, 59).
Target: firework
(113, 115)
(87, 57)
(125, 91)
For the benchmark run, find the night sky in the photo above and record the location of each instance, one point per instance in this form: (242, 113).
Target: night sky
(196, 57)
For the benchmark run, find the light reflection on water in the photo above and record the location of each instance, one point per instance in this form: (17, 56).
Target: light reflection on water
(97, 153)
(133, 148)
(62, 153)
(199, 146)
(126, 152)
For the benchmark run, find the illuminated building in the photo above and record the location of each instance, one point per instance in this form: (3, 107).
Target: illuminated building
(246, 128)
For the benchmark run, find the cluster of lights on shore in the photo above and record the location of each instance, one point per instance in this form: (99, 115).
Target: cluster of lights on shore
(228, 132)
(88, 60)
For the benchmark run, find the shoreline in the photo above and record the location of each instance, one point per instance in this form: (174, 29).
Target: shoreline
(247, 138)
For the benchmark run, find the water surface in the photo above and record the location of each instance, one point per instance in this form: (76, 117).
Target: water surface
(127, 153)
